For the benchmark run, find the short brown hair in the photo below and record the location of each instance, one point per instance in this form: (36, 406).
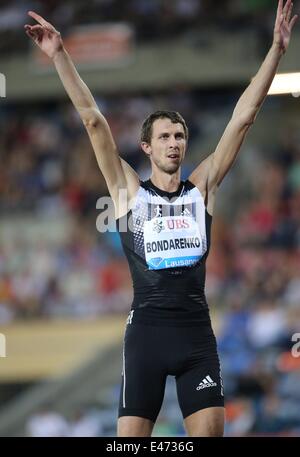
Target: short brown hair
(174, 116)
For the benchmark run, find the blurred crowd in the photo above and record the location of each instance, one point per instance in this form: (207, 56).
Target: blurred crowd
(49, 423)
(53, 261)
(50, 183)
(49, 179)
(151, 20)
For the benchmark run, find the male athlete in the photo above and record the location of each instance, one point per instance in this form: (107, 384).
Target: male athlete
(168, 329)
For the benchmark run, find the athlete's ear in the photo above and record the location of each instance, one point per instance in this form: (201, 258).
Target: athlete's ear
(146, 148)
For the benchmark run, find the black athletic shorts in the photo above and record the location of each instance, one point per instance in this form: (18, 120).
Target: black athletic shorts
(151, 352)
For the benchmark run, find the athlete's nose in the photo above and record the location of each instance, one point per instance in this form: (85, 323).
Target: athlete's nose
(173, 142)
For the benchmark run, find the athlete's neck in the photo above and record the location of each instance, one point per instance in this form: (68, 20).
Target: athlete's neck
(168, 183)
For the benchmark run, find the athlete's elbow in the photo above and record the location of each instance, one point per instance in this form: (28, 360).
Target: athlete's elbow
(91, 119)
(90, 123)
(248, 122)
(246, 118)
(250, 117)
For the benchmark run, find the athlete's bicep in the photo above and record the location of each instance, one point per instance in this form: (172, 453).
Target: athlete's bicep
(201, 176)
(117, 173)
(132, 185)
(106, 152)
(211, 171)
(227, 150)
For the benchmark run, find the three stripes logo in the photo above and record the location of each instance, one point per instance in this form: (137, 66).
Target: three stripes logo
(222, 387)
(129, 318)
(2, 345)
(2, 85)
(206, 382)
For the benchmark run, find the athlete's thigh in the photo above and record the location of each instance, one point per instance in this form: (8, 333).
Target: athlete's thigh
(199, 382)
(208, 422)
(134, 426)
(143, 375)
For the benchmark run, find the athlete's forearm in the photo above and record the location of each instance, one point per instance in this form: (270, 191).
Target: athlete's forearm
(253, 97)
(75, 87)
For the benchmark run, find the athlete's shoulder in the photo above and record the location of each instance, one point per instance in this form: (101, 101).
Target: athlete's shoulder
(188, 185)
(147, 185)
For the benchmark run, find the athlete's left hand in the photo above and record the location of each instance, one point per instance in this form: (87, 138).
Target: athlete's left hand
(284, 24)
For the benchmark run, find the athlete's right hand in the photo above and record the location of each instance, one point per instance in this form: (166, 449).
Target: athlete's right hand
(44, 35)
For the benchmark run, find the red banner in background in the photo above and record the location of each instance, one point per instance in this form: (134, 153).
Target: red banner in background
(109, 45)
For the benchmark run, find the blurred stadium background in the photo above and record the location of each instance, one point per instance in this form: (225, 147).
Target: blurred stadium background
(65, 288)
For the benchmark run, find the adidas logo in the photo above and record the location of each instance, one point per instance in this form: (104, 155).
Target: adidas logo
(185, 212)
(206, 382)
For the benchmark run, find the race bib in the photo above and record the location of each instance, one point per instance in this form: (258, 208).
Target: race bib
(173, 241)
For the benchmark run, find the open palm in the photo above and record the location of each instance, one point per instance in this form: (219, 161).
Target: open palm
(44, 35)
(284, 24)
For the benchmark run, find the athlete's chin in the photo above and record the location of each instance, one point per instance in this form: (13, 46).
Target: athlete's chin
(171, 169)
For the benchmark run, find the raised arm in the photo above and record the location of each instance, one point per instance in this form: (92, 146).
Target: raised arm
(212, 170)
(117, 173)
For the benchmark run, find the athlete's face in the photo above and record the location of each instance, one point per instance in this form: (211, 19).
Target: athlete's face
(168, 145)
